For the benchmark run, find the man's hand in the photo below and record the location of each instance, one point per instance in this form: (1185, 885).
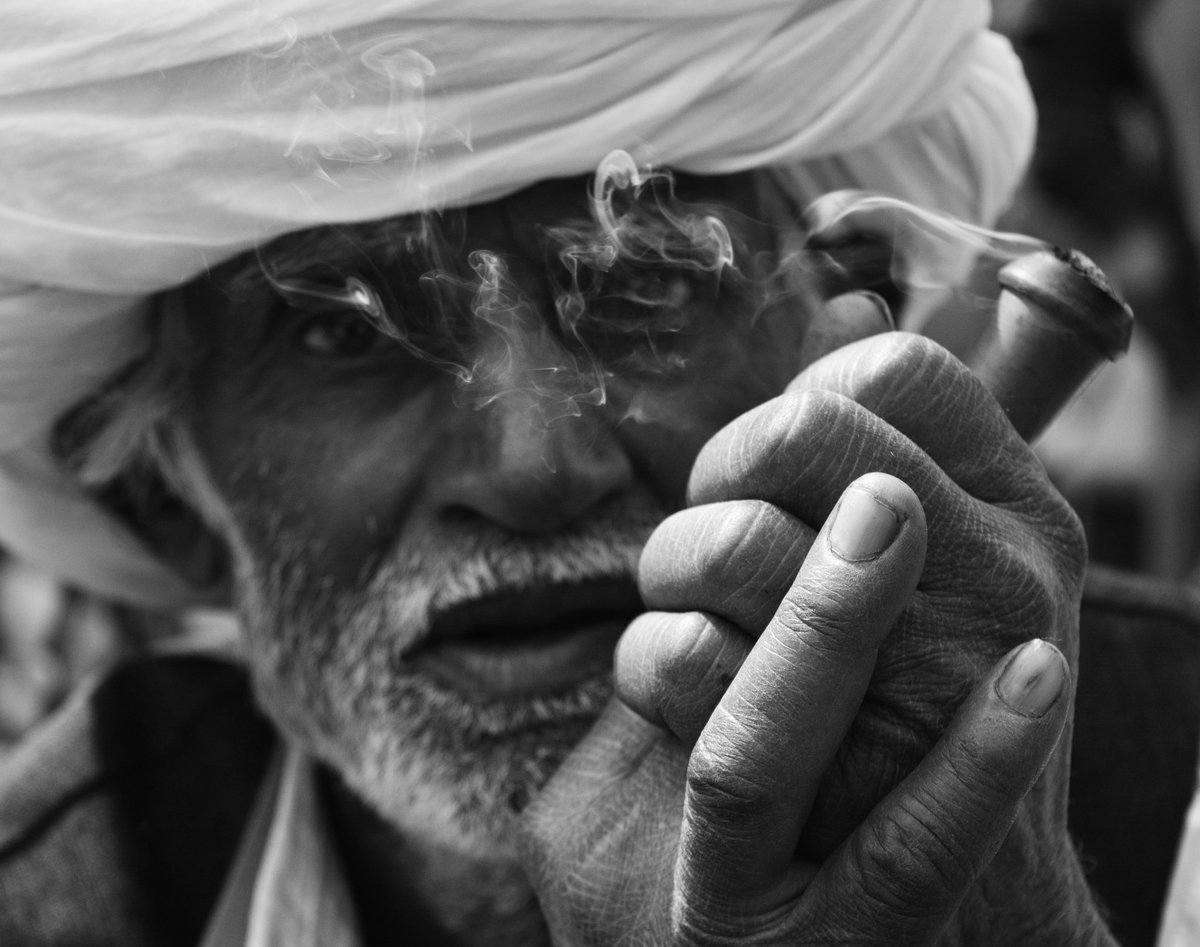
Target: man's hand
(674, 823)
(1004, 564)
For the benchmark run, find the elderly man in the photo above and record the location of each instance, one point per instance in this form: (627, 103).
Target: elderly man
(326, 319)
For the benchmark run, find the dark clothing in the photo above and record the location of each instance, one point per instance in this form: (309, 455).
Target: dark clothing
(1137, 735)
(119, 819)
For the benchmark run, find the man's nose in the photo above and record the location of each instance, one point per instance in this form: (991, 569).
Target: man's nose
(511, 465)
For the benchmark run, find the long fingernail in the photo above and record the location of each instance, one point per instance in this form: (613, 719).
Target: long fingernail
(863, 526)
(1033, 679)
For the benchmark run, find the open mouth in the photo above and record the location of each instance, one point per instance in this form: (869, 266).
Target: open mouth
(522, 642)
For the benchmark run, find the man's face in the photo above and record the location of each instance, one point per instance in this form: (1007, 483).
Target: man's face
(434, 533)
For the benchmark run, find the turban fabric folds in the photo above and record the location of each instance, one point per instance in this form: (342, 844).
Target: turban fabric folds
(144, 143)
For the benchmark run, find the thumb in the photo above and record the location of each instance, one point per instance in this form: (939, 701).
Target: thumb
(908, 866)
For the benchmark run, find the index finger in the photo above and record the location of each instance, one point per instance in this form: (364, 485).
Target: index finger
(920, 394)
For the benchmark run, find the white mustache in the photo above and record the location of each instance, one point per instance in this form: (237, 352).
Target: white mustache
(449, 567)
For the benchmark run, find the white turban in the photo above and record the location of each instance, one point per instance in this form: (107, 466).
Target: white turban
(144, 142)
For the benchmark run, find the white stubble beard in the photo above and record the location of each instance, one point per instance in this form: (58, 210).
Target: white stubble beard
(442, 768)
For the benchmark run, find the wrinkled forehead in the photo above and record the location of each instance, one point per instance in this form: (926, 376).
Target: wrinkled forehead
(748, 203)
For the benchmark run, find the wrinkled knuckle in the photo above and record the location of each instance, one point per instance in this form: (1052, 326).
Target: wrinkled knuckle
(784, 440)
(740, 542)
(1073, 537)
(699, 670)
(1067, 541)
(776, 433)
(641, 636)
(1052, 526)
(911, 350)
(728, 533)
(673, 539)
(910, 374)
(736, 564)
(886, 867)
(1023, 592)
(715, 655)
(807, 410)
(699, 643)
(948, 851)
(829, 616)
(973, 774)
(1039, 603)
(679, 644)
(908, 855)
(658, 658)
(909, 358)
(717, 787)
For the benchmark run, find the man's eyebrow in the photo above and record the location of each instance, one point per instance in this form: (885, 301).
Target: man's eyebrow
(331, 255)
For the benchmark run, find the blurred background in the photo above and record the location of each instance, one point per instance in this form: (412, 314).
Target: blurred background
(1116, 175)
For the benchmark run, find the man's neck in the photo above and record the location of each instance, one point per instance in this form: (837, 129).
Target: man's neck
(428, 893)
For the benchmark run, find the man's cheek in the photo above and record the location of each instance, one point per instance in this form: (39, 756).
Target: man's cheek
(339, 504)
(334, 541)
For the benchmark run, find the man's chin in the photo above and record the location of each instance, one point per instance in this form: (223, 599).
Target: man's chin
(455, 771)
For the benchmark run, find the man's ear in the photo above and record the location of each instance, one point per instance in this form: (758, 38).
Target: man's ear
(174, 532)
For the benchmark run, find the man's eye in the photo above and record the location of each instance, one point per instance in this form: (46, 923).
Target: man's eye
(339, 335)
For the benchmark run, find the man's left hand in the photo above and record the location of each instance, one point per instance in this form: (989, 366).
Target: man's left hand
(1005, 564)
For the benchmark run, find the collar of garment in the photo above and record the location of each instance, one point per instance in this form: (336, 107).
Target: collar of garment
(286, 887)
